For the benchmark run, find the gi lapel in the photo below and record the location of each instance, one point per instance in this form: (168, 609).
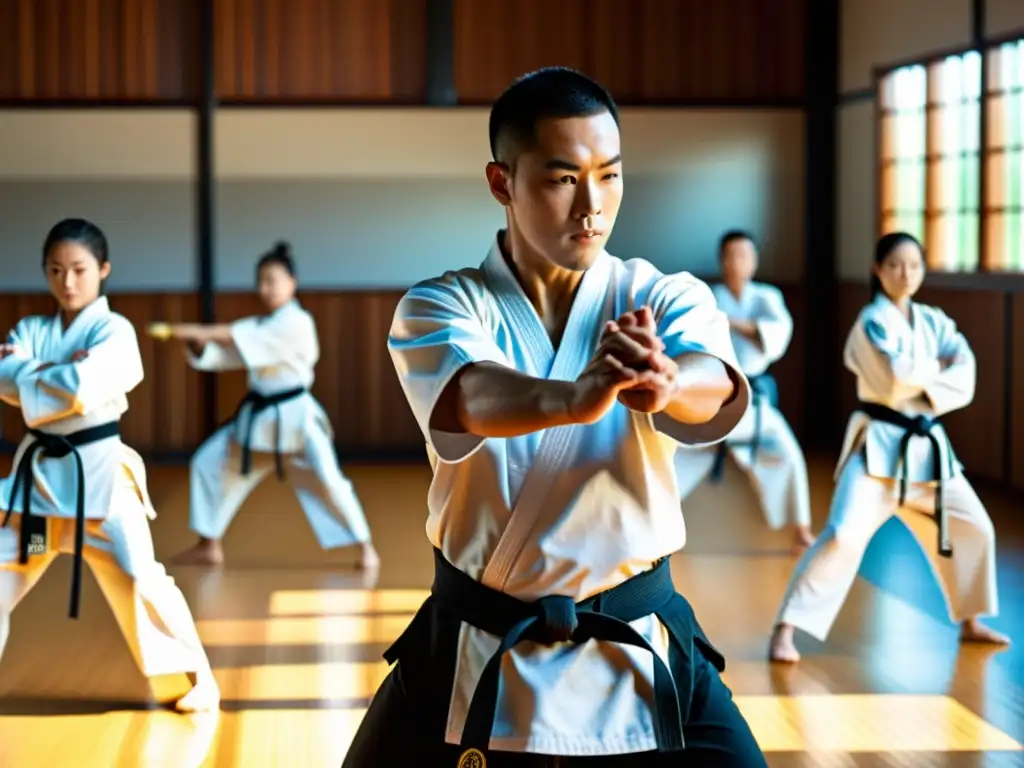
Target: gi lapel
(555, 451)
(519, 313)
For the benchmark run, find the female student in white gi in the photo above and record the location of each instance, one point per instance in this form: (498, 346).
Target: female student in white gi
(76, 488)
(762, 444)
(278, 418)
(912, 367)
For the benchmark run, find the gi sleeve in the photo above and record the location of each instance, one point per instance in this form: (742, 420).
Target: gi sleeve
(288, 338)
(112, 369)
(774, 325)
(883, 363)
(689, 321)
(951, 388)
(17, 364)
(437, 331)
(215, 357)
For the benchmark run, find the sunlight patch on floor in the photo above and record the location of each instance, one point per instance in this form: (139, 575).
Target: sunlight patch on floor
(869, 723)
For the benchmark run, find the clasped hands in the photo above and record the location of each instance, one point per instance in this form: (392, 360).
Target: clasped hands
(630, 366)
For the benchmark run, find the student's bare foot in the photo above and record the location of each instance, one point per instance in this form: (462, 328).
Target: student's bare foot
(370, 560)
(203, 552)
(204, 696)
(782, 648)
(803, 538)
(973, 631)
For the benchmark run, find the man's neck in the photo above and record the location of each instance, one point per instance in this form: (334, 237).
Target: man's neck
(735, 287)
(549, 288)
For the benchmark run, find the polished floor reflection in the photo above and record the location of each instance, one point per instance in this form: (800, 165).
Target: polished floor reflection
(296, 636)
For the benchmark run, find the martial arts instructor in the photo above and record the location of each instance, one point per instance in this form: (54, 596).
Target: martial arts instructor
(552, 384)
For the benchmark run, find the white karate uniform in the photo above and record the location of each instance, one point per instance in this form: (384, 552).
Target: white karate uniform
(67, 398)
(571, 511)
(778, 470)
(897, 364)
(279, 352)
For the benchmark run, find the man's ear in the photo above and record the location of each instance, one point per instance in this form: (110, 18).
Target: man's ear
(499, 178)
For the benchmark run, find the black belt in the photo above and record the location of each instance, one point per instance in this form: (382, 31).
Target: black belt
(762, 388)
(554, 619)
(55, 447)
(259, 403)
(916, 426)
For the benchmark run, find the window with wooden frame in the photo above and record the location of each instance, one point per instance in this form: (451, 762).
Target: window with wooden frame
(951, 157)
(1004, 158)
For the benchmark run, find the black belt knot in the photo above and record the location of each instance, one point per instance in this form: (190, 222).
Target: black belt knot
(916, 426)
(52, 446)
(258, 403)
(921, 426)
(557, 620)
(553, 619)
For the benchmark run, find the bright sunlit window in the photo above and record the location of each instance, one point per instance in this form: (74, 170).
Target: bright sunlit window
(1004, 158)
(934, 160)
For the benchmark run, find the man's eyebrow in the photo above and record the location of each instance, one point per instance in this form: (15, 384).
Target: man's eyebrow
(557, 164)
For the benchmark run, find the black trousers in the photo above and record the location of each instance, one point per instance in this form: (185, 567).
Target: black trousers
(398, 730)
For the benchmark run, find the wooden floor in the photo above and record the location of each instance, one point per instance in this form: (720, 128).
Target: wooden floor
(296, 639)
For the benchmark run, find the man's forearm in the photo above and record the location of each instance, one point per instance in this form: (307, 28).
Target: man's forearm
(748, 329)
(494, 401)
(703, 386)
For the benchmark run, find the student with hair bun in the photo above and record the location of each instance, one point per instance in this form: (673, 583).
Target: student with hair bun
(278, 426)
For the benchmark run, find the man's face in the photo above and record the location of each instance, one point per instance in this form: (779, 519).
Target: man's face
(739, 261)
(564, 191)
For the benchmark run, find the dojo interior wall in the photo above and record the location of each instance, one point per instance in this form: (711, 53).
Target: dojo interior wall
(322, 137)
(372, 201)
(989, 435)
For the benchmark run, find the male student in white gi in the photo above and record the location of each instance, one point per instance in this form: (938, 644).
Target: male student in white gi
(552, 384)
(763, 445)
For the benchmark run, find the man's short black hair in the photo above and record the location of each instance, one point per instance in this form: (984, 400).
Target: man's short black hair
(733, 235)
(551, 92)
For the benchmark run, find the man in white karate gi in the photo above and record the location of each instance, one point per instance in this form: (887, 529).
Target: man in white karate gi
(552, 385)
(762, 445)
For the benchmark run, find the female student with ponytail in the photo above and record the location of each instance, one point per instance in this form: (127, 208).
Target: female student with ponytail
(912, 366)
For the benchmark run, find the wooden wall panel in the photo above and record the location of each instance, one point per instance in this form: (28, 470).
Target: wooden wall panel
(1016, 417)
(645, 51)
(331, 50)
(977, 432)
(98, 50)
(789, 371)
(164, 411)
(851, 298)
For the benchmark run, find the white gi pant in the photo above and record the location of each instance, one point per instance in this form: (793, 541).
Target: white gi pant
(327, 498)
(779, 474)
(861, 505)
(150, 609)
